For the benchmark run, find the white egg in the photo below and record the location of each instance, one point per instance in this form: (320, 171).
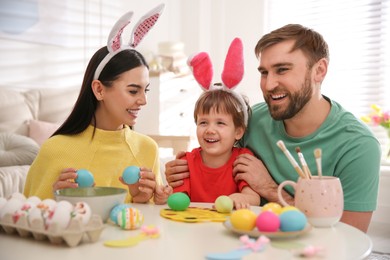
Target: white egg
(24, 210)
(47, 206)
(82, 211)
(10, 207)
(48, 203)
(66, 204)
(18, 195)
(35, 214)
(2, 203)
(61, 217)
(34, 199)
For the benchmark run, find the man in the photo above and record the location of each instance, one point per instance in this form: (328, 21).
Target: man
(293, 64)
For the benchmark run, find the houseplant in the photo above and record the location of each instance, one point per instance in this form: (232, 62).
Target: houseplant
(379, 117)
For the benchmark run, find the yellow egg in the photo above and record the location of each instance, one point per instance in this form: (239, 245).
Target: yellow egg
(288, 208)
(273, 207)
(243, 219)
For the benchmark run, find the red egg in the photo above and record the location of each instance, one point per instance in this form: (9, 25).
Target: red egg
(267, 221)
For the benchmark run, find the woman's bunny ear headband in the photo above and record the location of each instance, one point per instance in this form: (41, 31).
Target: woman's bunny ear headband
(232, 74)
(114, 42)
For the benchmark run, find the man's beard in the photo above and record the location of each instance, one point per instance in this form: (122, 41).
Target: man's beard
(297, 101)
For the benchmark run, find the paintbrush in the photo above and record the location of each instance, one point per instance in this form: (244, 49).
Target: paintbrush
(290, 158)
(318, 155)
(305, 168)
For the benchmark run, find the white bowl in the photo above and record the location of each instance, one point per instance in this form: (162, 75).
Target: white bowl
(100, 199)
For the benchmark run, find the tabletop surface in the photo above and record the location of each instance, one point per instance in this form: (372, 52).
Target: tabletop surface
(180, 240)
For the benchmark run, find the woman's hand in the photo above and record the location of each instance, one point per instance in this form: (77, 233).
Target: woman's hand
(66, 179)
(142, 191)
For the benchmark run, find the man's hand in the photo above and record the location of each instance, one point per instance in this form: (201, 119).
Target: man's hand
(176, 170)
(252, 170)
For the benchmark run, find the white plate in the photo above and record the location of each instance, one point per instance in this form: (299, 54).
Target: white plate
(256, 233)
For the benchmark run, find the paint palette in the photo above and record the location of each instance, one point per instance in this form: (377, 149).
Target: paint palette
(195, 214)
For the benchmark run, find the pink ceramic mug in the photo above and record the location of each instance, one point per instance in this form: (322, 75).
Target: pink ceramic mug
(319, 198)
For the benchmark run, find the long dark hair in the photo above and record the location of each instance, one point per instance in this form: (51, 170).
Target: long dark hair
(83, 112)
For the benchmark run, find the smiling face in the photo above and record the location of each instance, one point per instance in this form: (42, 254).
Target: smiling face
(120, 103)
(217, 134)
(286, 80)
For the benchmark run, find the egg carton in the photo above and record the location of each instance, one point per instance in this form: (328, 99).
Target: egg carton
(72, 235)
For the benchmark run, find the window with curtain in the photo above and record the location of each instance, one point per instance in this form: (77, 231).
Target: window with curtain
(47, 44)
(358, 35)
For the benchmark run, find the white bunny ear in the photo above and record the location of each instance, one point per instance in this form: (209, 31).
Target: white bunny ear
(145, 24)
(114, 41)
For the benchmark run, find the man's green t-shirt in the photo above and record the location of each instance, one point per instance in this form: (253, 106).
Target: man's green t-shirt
(349, 151)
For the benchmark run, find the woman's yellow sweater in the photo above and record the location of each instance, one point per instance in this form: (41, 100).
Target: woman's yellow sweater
(105, 154)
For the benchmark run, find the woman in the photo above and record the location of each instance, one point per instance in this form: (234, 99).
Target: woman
(97, 135)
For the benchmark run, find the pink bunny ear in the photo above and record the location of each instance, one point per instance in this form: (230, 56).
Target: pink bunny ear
(202, 69)
(114, 41)
(145, 24)
(234, 64)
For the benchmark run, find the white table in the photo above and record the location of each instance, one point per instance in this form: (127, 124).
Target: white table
(181, 240)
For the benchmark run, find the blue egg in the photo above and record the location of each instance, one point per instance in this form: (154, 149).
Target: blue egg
(84, 178)
(292, 220)
(131, 174)
(178, 201)
(115, 211)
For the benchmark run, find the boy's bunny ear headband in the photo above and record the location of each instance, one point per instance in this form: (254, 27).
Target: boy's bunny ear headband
(114, 42)
(232, 74)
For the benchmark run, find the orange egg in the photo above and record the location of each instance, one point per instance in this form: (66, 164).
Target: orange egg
(243, 219)
(273, 207)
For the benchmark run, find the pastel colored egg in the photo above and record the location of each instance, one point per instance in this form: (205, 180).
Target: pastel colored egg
(130, 218)
(243, 219)
(273, 207)
(84, 178)
(292, 220)
(131, 174)
(115, 211)
(224, 204)
(178, 201)
(267, 221)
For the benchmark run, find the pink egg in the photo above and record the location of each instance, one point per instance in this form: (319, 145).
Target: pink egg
(267, 221)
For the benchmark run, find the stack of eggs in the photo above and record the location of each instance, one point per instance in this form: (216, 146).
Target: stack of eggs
(47, 211)
(126, 216)
(272, 218)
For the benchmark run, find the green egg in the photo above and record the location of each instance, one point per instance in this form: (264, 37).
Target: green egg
(178, 201)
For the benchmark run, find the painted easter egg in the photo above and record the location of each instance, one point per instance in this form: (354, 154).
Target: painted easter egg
(82, 211)
(84, 178)
(292, 220)
(115, 211)
(130, 218)
(131, 174)
(224, 204)
(267, 221)
(178, 201)
(243, 219)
